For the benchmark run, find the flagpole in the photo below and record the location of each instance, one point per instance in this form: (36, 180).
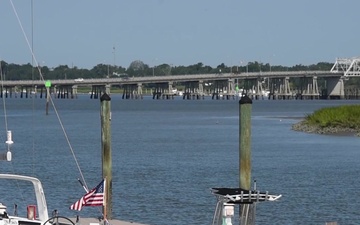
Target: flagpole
(81, 183)
(104, 203)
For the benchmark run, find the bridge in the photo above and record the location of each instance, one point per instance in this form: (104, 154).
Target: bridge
(274, 85)
(176, 78)
(349, 66)
(222, 85)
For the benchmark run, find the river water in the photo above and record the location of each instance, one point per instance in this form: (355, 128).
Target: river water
(167, 154)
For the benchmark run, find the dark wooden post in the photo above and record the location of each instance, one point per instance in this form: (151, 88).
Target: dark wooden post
(106, 152)
(47, 101)
(48, 86)
(247, 216)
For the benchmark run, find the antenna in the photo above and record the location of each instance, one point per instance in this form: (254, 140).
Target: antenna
(114, 52)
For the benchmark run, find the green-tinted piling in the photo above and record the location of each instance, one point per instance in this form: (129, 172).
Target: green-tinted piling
(247, 212)
(47, 101)
(245, 142)
(48, 86)
(105, 115)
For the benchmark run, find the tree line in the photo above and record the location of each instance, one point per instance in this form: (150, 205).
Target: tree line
(137, 68)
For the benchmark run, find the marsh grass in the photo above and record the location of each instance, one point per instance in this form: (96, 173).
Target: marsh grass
(347, 116)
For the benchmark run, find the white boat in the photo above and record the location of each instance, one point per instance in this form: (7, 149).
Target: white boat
(32, 210)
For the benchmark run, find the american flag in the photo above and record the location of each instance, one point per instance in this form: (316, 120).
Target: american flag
(95, 197)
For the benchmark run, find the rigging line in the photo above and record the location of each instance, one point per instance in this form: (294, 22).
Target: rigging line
(2, 88)
(26, 39)
(51, 100)
(32, 78)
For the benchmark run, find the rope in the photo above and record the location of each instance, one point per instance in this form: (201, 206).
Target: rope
(2, 88)
(51, 100)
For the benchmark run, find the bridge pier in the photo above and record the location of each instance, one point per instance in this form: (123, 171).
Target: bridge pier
(335, 88)
(308, 88)
(96, 91)
(63, 92)
(52, 90)
(283, 91)
(129, 91)
(287, 91)
(230, 90)
(193, 90)
(259, 90)
(218, 89)
(201, 91)
(139, 93)
(25, 90)
(224, 89)
(312, 90)
(74, 92)
(274, 89)
(249, 88)
(157, 92)
(35, 91)
(4, 92)
(168, 93)
(163, 91)
(352, 93)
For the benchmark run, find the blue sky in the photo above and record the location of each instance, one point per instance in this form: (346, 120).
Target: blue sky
(84, 33)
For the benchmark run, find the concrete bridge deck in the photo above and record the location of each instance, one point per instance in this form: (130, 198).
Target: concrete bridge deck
(176, 78)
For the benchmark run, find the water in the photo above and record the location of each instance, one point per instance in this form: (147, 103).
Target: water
(167, 154)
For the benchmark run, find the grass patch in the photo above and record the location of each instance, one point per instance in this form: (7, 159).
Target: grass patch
(347, 116)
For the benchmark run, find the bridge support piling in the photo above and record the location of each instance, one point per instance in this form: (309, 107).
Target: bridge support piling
(312, 90)
(230, 90)
(201, 93)
(335, 88)
(287, 91)
(259, 90)
(75, 91)
(139, 94)
(193, 90)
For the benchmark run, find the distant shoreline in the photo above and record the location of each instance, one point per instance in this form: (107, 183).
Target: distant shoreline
(337, 131)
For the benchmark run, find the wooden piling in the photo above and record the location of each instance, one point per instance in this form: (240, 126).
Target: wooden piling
(106, 152)
(48, 86)
(245, 142)
(246, 211)
(47, 100)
